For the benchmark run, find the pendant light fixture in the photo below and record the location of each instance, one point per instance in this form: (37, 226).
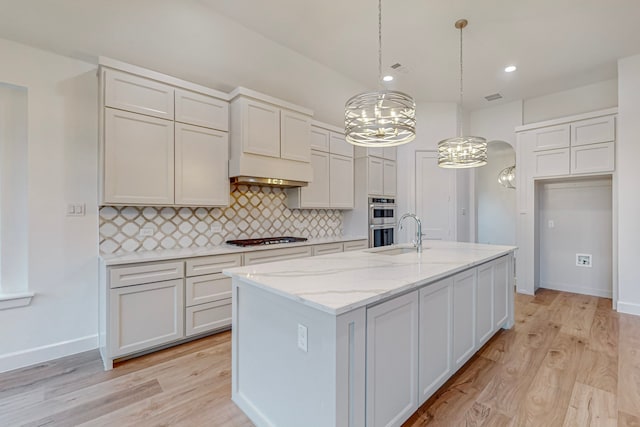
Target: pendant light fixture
(462, 151)
(383, 118)
(507, 177)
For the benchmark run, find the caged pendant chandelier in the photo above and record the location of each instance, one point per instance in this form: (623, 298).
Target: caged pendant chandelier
(384, 118)
(462, 151)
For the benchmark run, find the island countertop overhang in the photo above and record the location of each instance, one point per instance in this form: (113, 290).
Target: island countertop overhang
(342, 282)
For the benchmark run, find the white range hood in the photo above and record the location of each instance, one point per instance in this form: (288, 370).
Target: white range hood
(270, 141)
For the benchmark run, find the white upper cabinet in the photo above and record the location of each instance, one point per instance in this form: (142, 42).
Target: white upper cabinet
(577, 147)
(316, 194)
(201, 161)
(320, 139)
(389, 178)
(295, 135)
(551, 137)
(376, 176)
(390, 153)
(341, 173)
(333, 180)
(593, 131)
(201, 110)
(138, 159)
(158, 145)
(340, 146)
(260, 128)
(125, 91)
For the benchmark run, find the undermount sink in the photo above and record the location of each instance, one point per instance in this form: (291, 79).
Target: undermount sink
(396, 251)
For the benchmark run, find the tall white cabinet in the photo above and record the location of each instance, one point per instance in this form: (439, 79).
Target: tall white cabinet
(163, 141)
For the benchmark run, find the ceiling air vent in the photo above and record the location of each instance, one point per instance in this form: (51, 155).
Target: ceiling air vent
(396, 65)
(493, 97)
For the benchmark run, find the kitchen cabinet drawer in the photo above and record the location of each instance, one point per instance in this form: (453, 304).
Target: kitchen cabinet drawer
(207, 317)
(145, 273)
(201, 162)
(201, 110)
(338, 145)
(212, 264)
(139, 95)
(272, 255)
(320, 139)
(551, 137)
(551, 162)
(209, 288)
(145, 316)
(329, 248)
(356, 245)
(593, 158)
(593, 131)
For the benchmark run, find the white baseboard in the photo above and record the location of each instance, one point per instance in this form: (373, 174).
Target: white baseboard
(577, 289)
(629, 308)
(21, 359)
(525, 292)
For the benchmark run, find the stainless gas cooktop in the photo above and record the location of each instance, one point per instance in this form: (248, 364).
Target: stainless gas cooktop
(266, 241)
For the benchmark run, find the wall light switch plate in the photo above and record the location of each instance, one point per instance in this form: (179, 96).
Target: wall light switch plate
(302, 337)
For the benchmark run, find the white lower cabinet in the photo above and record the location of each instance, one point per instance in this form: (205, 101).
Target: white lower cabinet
(355, 245)
(436, 321)
(464, 309)
(273, 255)
(327, 248)
(392, 361)
(144, 316)
(484, 303)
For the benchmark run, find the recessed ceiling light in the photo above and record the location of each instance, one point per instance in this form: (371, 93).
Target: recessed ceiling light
(387, 78)
(510, 69)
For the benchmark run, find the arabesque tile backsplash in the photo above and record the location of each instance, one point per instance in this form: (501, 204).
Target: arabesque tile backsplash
(253, 212)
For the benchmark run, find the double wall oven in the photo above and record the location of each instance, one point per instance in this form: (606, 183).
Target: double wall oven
(382, 221)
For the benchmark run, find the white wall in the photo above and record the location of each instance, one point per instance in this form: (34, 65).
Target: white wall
(13, 189)
(582, 99)
(434, 122)
(493, 208)
(62, 168)
(496, 205)
(581, 212)
(628, 177)
(497, 123)
(192, 42)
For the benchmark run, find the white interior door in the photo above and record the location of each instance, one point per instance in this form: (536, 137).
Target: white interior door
(435, 197)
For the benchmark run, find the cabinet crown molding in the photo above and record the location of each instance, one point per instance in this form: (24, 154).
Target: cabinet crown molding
(568, 119)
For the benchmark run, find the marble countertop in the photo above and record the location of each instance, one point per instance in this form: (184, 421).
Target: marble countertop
(169, 254)
(339, 283)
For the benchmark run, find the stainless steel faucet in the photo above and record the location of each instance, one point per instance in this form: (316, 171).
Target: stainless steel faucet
(418, 242)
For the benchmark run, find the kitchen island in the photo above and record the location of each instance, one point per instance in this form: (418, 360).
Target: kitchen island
(365, 337)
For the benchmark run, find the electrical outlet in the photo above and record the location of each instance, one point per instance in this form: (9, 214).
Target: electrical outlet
(551, 224)
(302, 337)
(76, 209)
(583, 260)
(146, 231)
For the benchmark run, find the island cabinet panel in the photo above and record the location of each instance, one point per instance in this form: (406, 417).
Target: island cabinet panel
(501, 291)
(484, 303)
(464, 309)
(436, 321)
(392, 361)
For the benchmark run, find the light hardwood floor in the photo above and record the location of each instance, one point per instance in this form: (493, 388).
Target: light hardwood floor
(568, 361)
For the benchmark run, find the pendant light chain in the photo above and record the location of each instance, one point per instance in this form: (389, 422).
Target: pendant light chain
(461, 127)
(379, 43)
